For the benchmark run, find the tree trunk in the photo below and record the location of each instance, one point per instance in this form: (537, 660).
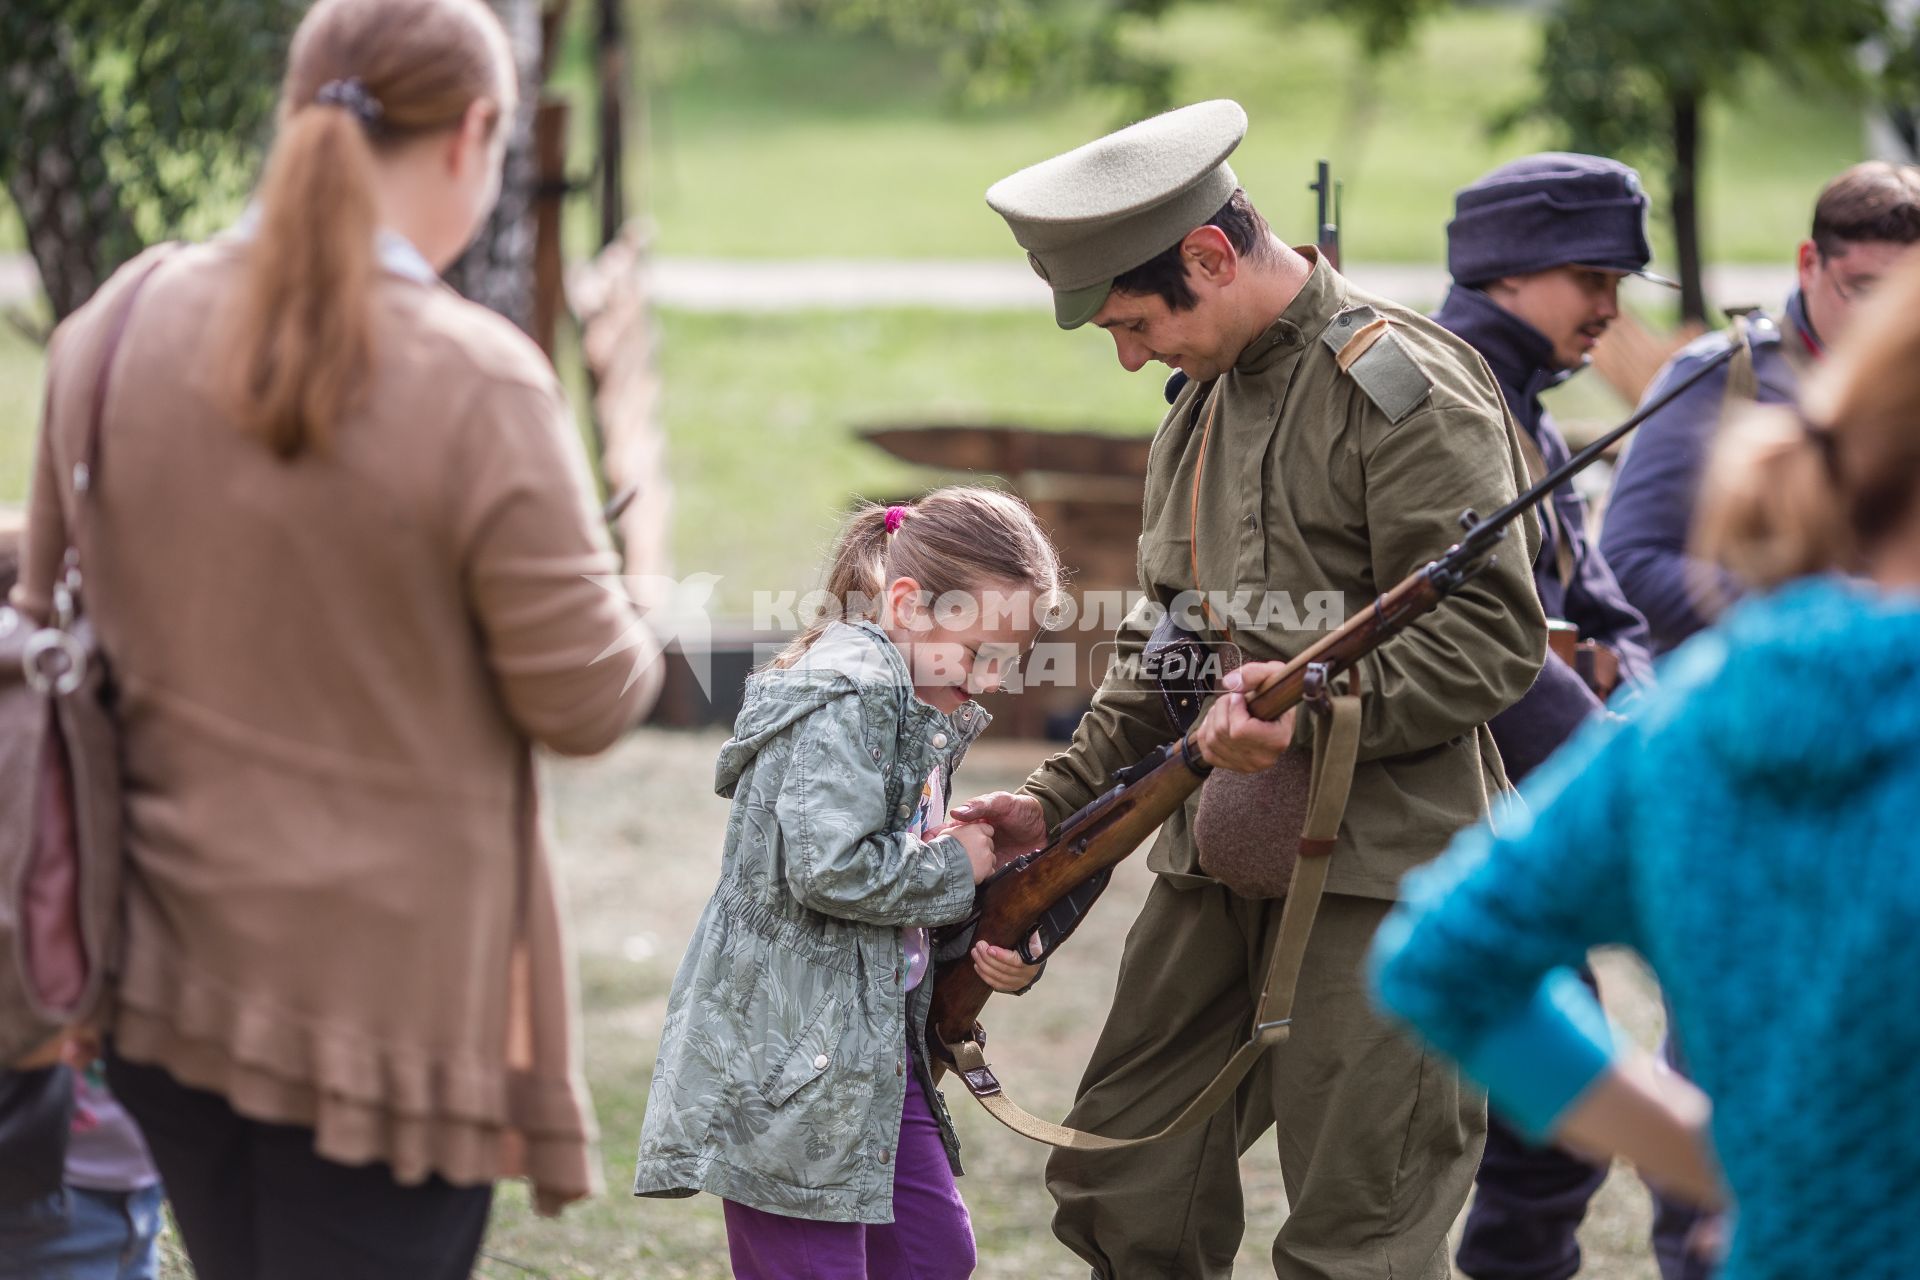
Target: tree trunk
(76, 229)
(497, 270)
(1686, 206)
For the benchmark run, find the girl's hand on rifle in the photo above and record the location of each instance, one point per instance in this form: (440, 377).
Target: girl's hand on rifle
(1231, 737)
(977, 839)
(1019, 823)
(1002, 969)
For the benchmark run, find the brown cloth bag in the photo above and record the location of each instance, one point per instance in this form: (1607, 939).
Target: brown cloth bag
(1248, 828)
(60, 798)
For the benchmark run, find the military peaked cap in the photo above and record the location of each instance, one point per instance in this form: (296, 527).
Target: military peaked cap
(1103, 209)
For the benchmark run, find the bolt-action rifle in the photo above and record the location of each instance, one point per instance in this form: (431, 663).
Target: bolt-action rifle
(1034, 902)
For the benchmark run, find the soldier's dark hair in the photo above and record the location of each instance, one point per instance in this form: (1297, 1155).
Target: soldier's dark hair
(1165, 274)
(1874, 201)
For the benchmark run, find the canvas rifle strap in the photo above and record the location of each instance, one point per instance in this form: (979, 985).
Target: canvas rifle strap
(1563, 562)
(1336, 748)
(1742, 380)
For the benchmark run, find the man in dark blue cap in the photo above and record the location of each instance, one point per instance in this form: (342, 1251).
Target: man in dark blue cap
(1537, 249)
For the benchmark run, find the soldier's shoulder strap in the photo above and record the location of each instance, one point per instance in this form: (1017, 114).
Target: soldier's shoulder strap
(1367, 350)
(1751, 328)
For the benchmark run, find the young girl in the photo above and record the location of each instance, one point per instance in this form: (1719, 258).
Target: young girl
(1750, 832)
(792, 1079)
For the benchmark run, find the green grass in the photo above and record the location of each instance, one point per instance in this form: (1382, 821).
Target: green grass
(761, 411)
(639, 837)
(794, 141)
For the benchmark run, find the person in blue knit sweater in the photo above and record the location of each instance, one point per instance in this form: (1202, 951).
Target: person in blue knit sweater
(1750, 831)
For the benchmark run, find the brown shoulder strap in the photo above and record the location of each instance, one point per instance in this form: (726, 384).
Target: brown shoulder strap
(87, 471)
(1336, 750)
(1538, 469)
(1742, 381)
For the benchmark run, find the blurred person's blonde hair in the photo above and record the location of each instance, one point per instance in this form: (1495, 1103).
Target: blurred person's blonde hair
(1790, 493)
(303, 341)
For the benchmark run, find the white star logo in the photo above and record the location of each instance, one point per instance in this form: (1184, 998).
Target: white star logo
(676, 613)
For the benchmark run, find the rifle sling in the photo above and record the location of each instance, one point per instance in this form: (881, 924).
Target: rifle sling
(1336, 749)
(1537, 469)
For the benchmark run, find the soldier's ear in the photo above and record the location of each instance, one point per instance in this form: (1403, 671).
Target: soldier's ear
(1208, 254)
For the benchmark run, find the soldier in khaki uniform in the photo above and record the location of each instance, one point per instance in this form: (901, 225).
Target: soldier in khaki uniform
(1276, 470)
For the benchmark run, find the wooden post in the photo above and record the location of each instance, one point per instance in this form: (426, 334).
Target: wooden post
(613, 109)
(616, 337)
(553, 21)
(550, 192)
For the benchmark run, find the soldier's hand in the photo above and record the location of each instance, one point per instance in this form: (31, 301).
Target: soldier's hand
(1019, 823)
(1231, 737)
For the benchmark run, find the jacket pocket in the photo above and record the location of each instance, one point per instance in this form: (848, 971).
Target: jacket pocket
(811, 1054)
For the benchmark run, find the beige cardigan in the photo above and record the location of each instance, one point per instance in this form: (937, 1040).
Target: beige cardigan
(339, 912)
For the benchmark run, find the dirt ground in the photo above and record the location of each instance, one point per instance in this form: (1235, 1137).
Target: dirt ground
(639, 831)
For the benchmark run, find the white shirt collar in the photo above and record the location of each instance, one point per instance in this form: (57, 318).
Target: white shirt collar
(395, 253)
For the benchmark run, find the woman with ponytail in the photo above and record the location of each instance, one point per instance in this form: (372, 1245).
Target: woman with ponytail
(337, 538)
(1750, 833)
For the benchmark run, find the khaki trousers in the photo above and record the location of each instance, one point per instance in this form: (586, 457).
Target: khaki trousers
(1378, 1141)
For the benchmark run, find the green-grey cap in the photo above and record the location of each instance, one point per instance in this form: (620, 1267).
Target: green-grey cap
(1101, 210)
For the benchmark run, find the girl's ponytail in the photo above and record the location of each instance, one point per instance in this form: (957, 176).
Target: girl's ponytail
(304, 318)
(856, 579)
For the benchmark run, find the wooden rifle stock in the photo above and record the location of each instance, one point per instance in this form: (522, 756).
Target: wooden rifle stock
(1036, 891)
(1016, 900)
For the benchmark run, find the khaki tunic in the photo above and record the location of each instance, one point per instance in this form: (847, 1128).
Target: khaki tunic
(1306, 486)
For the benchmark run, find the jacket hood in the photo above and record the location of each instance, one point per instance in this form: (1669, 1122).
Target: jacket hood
(847, 657)
(1813, 690)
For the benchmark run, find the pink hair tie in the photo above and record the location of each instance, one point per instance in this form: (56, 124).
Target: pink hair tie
(896, 516)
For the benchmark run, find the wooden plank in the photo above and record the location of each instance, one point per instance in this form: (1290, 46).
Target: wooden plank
(1013, 451)
(1630, 354)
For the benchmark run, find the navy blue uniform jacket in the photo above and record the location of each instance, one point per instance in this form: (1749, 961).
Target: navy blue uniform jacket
(1650, 514)
(1521, 359)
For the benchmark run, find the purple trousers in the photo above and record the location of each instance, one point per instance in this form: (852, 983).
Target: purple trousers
(930, 1237)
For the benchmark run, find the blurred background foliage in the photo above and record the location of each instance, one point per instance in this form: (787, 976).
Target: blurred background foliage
(869, 129)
